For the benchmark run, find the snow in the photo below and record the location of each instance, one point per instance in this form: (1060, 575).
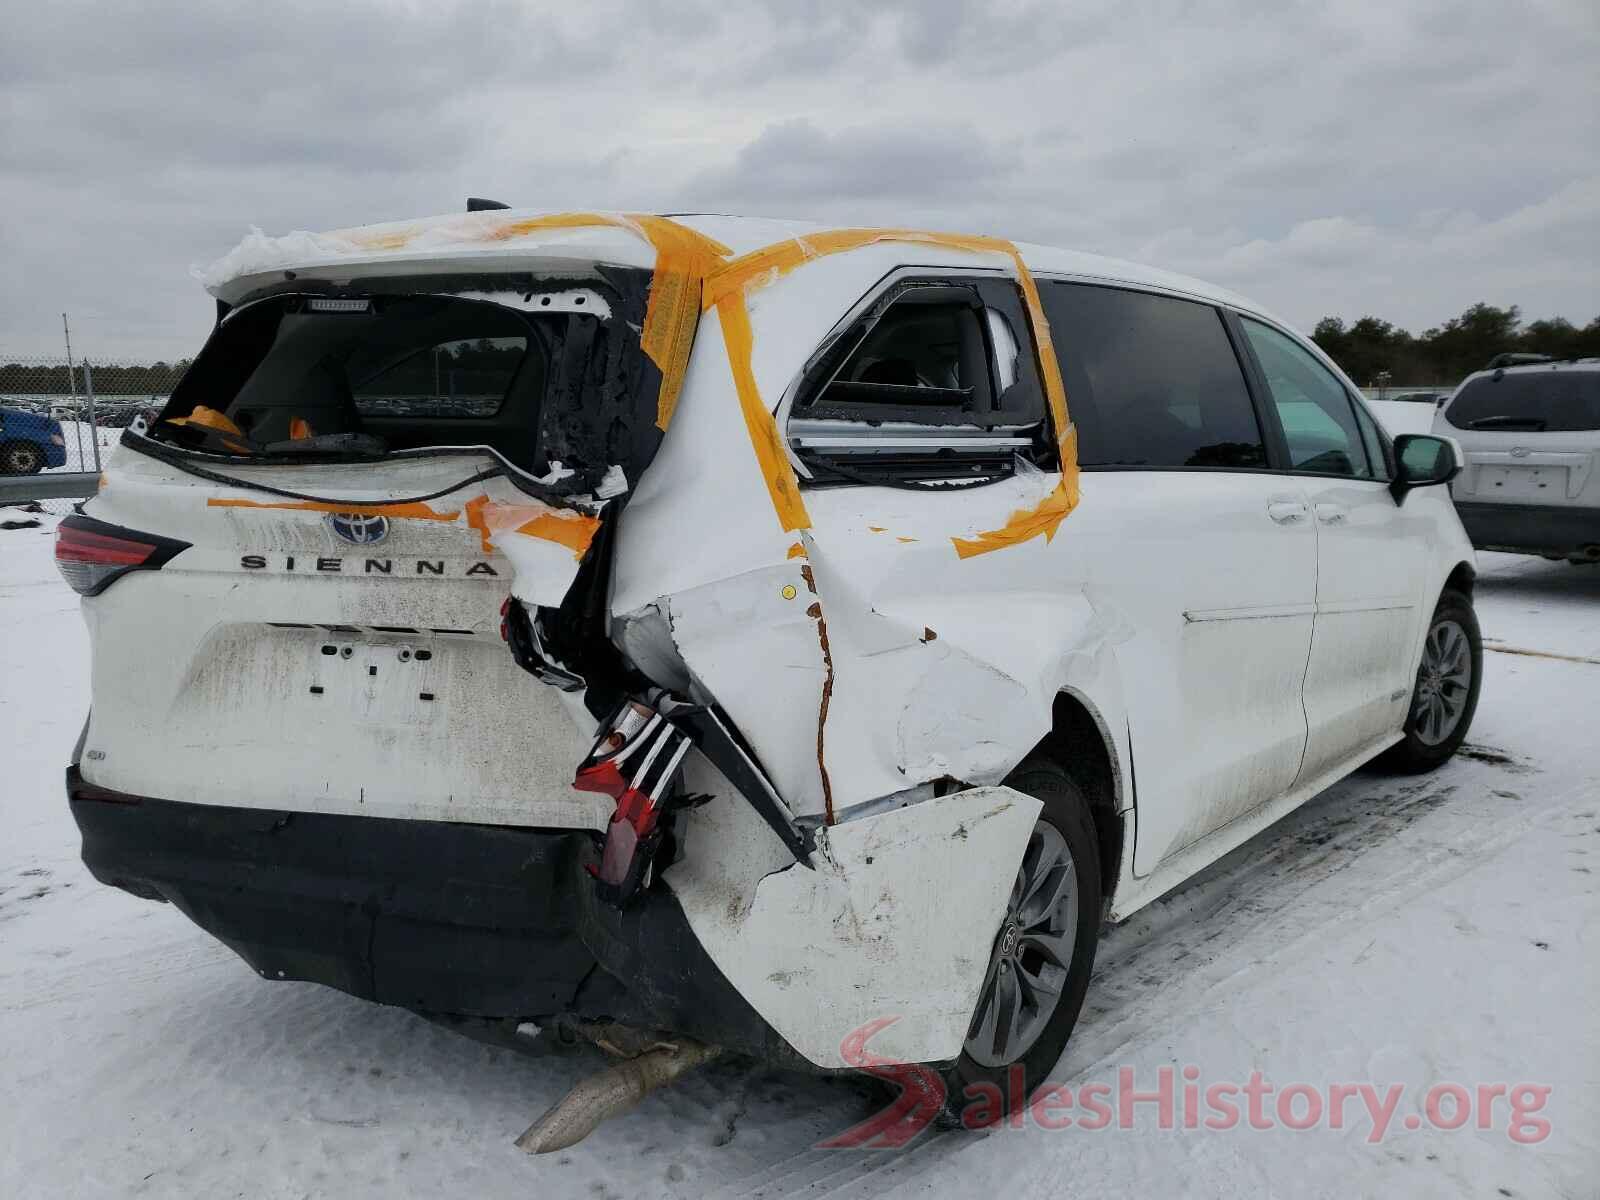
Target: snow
(1394, 930)
(79, 439)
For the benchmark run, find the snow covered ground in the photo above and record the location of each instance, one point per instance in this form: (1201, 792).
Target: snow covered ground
(1405, 931)
(79, 437)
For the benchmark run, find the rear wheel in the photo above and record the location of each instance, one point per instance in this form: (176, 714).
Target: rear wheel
(21, 458)
(1446, 692)
(1042, 955)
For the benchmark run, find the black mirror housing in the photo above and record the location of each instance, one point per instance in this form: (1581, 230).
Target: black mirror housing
(1422, 460)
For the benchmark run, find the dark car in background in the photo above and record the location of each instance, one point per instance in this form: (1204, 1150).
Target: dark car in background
(29, 442)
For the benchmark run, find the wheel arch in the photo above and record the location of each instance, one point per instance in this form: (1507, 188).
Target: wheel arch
(1081, 741)
(1461, 578)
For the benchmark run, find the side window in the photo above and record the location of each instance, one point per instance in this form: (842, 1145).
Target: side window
(1319, 422)
(1378, 453)
(936, 380)
(1152, 381)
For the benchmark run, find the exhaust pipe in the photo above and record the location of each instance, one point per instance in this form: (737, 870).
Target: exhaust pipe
(615, 1090)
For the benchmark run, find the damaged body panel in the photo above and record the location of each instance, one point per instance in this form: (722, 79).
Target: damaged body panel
(837, 626)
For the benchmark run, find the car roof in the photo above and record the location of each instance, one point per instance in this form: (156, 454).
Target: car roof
(453, 236)
(1558, 366)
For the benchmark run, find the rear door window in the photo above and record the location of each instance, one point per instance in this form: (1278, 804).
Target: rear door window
(1152, 381)
(1537, 401)
(1317, 414)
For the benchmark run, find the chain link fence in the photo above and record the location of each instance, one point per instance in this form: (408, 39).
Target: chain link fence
(60, 418)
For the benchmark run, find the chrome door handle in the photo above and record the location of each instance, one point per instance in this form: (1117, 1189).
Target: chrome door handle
(1286, 512)
(1331, 514)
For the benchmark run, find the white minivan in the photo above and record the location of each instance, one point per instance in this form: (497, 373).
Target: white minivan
(754, 632)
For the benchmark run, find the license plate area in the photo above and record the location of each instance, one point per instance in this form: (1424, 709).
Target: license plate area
(387, 681)
(1522, 483)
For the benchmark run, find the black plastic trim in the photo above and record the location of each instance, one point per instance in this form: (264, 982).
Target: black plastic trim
(440, 917)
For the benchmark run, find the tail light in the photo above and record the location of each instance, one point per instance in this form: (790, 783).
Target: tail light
(91, 555)
(635, 761)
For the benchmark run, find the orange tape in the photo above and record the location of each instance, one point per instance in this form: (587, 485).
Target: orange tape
(412, 511)
(683, 260)
(692, 275)
(574, 530)
(782, 485)
(760, 267)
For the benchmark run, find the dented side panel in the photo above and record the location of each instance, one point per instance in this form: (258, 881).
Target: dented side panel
(895, 919)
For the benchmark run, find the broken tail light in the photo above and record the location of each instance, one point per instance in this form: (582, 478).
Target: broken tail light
(636, 761)
(91, 555)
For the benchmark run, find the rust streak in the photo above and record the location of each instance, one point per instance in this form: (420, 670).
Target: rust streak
(815, 612)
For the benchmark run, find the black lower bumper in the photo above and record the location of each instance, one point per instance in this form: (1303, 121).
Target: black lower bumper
(444, 918)
(1533, 528)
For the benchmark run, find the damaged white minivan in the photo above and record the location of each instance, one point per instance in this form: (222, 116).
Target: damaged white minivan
(739, 631)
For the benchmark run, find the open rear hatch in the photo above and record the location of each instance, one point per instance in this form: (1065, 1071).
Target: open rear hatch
(353, 476)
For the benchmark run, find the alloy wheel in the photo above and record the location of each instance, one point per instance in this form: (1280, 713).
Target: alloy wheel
(1032, 953)
(1444, 682)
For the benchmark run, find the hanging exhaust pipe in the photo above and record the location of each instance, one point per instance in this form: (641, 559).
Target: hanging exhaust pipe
(610, 1092)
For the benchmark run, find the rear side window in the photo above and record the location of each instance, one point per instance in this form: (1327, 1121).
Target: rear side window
(1318, 418)
(932, 381)
(1542, 400)
(1151, 381)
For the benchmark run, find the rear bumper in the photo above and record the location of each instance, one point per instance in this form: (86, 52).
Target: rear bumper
(1531, 528)
(471, 920)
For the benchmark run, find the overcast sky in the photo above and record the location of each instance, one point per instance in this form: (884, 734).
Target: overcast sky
(1403, 159)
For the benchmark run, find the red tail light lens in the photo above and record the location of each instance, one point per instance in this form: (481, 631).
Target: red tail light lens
(92, 554)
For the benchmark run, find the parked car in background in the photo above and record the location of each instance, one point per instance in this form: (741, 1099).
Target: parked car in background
(1531, 434)
(29, 442)
(824, 706)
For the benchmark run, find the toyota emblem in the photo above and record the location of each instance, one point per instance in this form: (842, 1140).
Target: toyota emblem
(360, 529)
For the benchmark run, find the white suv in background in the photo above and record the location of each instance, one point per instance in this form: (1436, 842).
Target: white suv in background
(1531, 434)
(885, 610)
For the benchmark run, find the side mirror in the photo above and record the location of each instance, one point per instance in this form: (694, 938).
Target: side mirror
(1423, 460)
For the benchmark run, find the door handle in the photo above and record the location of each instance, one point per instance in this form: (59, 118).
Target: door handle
(1286, 512)
(1331, 514)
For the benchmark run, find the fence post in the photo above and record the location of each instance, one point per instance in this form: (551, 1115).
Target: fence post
(72, 384)
(94, 423)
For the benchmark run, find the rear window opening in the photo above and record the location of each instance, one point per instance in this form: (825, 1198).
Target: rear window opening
(1539, 401)
(302, 376)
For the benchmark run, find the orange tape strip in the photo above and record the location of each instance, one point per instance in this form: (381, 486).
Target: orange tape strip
(782, 485)
(574, 530)
(683, 260)
(692, 276)
(760, 267)
(413, 511)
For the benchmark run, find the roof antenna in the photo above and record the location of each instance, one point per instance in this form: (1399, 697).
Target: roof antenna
(479, 204)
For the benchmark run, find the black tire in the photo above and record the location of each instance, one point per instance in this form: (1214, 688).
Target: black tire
(1066, 811)
(1418, 751)
(21, 458)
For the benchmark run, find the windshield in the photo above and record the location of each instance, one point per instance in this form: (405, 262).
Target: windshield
(1544, 400)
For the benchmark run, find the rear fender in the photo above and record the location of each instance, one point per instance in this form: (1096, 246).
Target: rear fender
(896, 918)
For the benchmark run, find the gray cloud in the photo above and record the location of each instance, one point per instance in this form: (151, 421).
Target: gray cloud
(1405, 160)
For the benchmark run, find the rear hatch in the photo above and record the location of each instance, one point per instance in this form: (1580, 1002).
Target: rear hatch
(1531, 437)
(337, 474)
